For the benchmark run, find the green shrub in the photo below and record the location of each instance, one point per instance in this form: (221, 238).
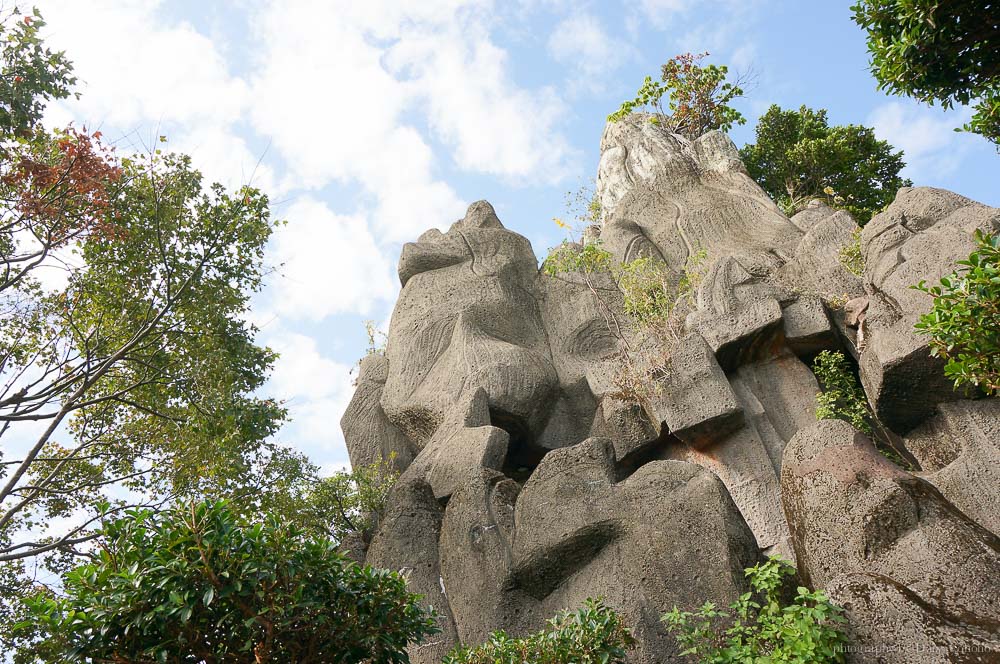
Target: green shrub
(842, 397)
(964, 323)
(592, 635)
(348, 502)
(589, 259)
(807, 631)
(851, 257)
(198, 584)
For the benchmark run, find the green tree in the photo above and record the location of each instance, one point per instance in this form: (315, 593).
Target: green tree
(938, 52)
(132, 379)
(798, 156)
(762, 628)
(698, 98)
(964, 323)
(594, 634)
(200, 584)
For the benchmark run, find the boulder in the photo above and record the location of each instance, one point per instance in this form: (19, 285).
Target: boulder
(890, 624)
(919, 237)
(368, 433)
(959, 453)
(852, 510)
(694, 401)
(407, 542)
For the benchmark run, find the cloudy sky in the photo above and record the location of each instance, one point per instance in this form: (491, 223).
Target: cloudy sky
(370, 121)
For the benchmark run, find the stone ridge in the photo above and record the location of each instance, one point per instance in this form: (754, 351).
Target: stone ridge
(528, 484)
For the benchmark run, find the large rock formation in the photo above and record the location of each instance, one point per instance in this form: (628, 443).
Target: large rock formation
(529, 482)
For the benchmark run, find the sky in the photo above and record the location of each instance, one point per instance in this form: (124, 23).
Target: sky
(369, 122)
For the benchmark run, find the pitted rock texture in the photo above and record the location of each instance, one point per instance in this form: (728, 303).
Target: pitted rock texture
(530, 481)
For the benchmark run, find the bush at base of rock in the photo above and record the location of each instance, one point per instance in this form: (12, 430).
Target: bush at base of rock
(594, 634)
(807, 631)
(197, 583)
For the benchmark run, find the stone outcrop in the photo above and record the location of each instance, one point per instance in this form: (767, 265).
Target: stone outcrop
(530, 481)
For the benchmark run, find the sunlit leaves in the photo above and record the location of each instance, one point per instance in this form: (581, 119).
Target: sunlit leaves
(594, 634)
(798, 156)
(964, 322)
(199, 583)
(761, 626)
(944, 52)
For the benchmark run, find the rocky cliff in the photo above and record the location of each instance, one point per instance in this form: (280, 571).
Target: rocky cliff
(529, 484)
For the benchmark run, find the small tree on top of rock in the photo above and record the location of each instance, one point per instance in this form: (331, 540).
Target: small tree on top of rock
(699, 98)
(799, 156)
(947, 52)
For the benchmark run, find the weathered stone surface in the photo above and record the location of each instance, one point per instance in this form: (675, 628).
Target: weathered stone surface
(467, 318)
(695, 401)
(742, 335)
(890, 624)
(531, 480)
(852, 510)
(668, 197)
(920, 236)
(816, 267)
(465, 442)
(959, 452)
(407, 542)
(807, 327)
(667, 535)
(369, 434)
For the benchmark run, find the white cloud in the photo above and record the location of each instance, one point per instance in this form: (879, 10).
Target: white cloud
(926, 135)
(659, 11)
(316, 389)
(150, 70)
(580, 42)
(329, 264)
(463, 80)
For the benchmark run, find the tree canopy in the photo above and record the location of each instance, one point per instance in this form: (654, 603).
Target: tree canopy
(798, 156)
(200, 584)
(945, 52)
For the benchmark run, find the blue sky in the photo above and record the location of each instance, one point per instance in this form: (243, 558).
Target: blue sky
(371, 121)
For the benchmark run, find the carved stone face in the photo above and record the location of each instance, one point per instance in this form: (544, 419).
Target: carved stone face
(466, 319)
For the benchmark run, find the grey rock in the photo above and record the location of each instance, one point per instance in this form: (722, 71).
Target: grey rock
(959, 452)
(369, 434)
(920, 236)
(890, 624)
(807, 327)
(743, 335)
(464, 443)
(816, 267)
(467, 318)
(695, 401)
(407, 542)
(852, 510)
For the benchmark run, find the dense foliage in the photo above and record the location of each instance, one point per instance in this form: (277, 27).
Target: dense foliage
(842, 397)
(347, 503)
(946, 52)
(200, 584)
(761, 628)
(594, 634)
(964, 323)
(128, 375)
(698, 98)
(798, 156)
